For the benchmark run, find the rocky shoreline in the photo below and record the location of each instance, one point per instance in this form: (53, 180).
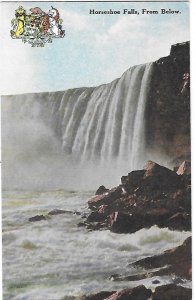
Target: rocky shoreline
(164, 292)
(153, 196)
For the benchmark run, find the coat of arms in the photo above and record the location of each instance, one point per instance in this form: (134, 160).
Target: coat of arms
(37, 27)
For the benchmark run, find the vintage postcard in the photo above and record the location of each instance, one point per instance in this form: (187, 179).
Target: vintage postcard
(96, 150)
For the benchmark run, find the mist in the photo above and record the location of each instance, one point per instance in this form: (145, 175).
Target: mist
(78, 139)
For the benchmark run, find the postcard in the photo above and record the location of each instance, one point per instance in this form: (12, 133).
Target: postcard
(96, 150)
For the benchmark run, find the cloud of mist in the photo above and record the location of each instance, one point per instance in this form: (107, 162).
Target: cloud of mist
(33, 158)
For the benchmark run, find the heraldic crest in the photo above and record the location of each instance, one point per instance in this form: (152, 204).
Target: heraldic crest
(37, 27)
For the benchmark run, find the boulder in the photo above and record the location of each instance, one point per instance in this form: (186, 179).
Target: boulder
(124, 180)
(156, 281)
(159, 177)
(134, 180)
(138, 293)
(101, 190)
(55, 212)
(176, 261)
(172, 292)
(153, 196)
(58, 212)
(98, 296)
(105, 199)
(164, 292)
(37, 218)
(154, 178)
(120, 222)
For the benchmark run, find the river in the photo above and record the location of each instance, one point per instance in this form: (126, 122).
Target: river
(55, 258)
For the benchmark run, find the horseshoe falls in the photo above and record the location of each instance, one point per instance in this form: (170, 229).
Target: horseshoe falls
(79, 138)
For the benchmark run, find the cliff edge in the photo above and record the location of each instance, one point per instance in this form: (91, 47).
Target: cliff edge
(168, 108)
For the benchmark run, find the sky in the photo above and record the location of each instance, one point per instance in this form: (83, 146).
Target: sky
(96, 49)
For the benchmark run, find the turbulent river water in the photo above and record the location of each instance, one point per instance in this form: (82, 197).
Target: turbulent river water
(54, 258)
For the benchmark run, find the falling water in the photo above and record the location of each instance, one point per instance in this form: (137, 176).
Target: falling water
(102, 125)
(108, 122)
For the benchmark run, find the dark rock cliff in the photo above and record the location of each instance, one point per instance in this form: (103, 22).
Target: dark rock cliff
(168, 108)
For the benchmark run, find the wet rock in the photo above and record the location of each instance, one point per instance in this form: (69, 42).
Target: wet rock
(172, 292)
(179, 221)
(133, 180)
(160, 177)
(103, 209)
(124, 223)
(95, 216)
(81, 224)
(37, 218)
(157, 216)
(176, 261)
(98, 296)
(165, 292)
(153, 196)
(184, 168)
(58, 212)
(124, 180)
(107, 199)
(96, 201)
(137, 293)
(156, 281)
(53, 212)
(101, 190)
(129, 223)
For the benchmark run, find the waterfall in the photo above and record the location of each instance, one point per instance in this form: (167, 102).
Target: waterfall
(103, 126)
(108, 122)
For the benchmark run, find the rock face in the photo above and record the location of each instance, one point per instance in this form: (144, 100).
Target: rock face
(168, 108)
(152, 196)
(176, 261)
